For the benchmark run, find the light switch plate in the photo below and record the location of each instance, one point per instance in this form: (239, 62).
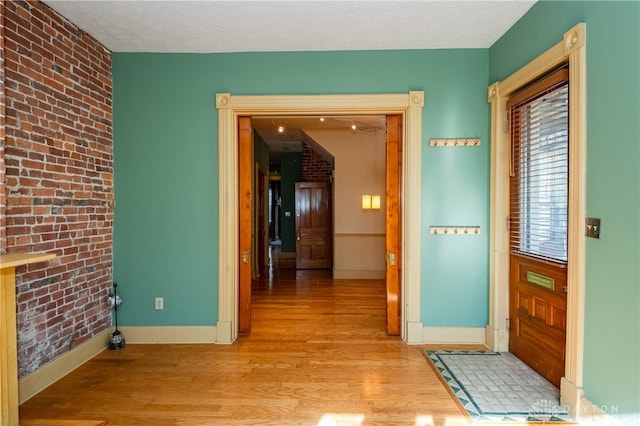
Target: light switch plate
(592, 228)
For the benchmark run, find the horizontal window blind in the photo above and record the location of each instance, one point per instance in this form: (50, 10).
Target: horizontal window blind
(539, 126)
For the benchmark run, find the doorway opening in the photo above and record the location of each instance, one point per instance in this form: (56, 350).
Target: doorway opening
(336, 160)
(307, 199)
(408, 106)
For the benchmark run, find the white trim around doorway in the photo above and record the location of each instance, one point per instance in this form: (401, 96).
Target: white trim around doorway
(230, 107)
(571, 49)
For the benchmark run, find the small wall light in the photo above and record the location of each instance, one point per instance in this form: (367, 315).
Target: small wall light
(366, 202)
(375, 202)
(370, 202)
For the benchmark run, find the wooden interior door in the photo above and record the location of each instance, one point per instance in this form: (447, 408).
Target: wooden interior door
(245, 240)
(313, 225)
(393, 221)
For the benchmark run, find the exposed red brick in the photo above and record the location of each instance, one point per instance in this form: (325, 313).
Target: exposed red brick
(314, 169)
(56, 177)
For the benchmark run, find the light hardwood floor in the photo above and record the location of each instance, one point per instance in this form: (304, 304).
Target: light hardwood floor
(317, 355)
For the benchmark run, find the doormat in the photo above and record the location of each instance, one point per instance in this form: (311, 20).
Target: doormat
(498, 387)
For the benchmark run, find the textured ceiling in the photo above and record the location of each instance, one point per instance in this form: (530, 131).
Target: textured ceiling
(212, 26)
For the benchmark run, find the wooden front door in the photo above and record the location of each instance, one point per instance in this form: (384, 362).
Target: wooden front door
(538, 311)
(313, 225)
(539, 128)
(393, 230)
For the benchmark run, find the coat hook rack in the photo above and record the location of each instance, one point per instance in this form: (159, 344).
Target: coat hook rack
(454, 230)
(454, 142)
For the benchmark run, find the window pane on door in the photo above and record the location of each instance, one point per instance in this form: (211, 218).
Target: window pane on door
(540, 150)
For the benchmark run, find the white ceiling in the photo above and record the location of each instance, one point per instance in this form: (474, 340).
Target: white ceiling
(212, 26)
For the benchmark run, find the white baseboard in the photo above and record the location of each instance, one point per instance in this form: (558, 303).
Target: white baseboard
(224, 333)
(414, 333)
(570, 396)
(587, 413)
(489, 337)
(591, 414)
(496, 340)
(170, 334)
(358, 275)
(56, 369)
(453, 335)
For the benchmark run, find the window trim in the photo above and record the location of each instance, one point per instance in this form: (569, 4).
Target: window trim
(571, 49)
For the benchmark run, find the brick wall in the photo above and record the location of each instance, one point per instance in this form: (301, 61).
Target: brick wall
(3, 201)
(59, 179)
(314, 167)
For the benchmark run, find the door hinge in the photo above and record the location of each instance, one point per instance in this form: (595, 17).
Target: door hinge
(507, 324)
(508, 224)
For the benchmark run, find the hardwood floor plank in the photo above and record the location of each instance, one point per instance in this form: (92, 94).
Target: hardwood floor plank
(318, 354)
(53, 422)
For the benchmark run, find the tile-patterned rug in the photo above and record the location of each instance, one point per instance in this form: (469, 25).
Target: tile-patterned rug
(498, 387)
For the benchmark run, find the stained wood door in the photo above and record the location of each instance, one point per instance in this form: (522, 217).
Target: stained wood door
(539, 217)
(313, 225)
(538, 312)
(245, 214)
(393, 222)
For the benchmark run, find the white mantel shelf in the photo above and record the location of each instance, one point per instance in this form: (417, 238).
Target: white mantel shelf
(8, 338)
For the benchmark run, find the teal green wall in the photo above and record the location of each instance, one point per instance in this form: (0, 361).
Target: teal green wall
(291, 172)
(260, 151)
(165, 242)
(165, 147)
(612, 306)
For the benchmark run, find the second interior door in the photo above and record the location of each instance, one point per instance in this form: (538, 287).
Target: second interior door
(313, 225)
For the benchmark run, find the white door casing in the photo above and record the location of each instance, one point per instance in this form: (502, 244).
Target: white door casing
(409, 105)
(571, 49)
